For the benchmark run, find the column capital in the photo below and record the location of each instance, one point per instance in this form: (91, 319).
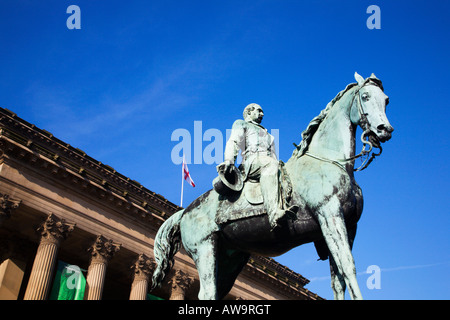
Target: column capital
(102, 250)
(143, 267)
(54, 229)
(7, 204)
(181, 280)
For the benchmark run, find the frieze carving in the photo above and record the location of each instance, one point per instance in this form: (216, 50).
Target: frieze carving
(55, 229)
(103, 249)
(143, 267)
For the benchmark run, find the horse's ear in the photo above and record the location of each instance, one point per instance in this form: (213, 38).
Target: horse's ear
(373, 76)
(359, 79)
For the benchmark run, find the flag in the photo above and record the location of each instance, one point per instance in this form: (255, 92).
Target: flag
(186, 174)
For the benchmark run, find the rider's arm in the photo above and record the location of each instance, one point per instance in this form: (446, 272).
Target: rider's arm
(235, 143)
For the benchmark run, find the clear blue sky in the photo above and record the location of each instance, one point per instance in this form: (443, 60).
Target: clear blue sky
(137, 71)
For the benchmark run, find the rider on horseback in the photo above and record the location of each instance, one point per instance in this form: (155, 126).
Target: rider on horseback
(259, 161)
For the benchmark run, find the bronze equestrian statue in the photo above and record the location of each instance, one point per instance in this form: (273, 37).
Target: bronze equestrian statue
(313, 197)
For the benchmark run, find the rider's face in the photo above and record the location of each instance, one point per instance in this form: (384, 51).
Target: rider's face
(256, 115)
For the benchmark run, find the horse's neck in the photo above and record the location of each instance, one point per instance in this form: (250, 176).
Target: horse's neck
(335, 136)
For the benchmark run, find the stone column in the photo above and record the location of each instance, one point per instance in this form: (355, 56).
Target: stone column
(102, 251)
(7, 204)
(180, 282)
(143, 268)
(52, 231)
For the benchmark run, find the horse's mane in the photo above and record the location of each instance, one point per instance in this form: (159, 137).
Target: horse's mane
(315, 122)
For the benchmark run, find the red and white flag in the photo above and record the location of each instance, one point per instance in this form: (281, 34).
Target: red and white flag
(186, 174)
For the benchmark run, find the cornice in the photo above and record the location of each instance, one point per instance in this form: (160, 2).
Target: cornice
(40, 149)
(280, 276)
(278, 270)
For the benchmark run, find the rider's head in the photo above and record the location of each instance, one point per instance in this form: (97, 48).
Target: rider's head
(253, 112)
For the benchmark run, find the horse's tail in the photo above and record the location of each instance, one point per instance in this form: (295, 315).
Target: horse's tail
(167, 244)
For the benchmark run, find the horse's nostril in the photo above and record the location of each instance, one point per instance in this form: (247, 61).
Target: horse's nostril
(383, 127)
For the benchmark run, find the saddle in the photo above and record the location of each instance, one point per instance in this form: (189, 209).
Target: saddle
(244, 199)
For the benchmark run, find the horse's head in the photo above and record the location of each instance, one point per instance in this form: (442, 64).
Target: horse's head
(368, 110)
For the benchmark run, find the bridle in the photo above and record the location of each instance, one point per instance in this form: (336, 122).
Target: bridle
(365, 125)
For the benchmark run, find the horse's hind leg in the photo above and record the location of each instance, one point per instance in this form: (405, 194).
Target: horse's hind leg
(206, 263)
(230, 264)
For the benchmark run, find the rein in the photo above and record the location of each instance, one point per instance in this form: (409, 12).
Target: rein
(364, 123)
(338, 162)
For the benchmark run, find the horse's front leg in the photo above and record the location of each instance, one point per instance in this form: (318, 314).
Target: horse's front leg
(337, 281)
(333, 228)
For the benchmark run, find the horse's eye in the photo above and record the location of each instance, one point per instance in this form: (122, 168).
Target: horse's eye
(365, 97)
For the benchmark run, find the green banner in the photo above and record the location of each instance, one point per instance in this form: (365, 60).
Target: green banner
(152, 297)
(69, 283)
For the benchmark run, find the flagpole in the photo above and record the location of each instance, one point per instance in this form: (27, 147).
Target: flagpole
(182, 178)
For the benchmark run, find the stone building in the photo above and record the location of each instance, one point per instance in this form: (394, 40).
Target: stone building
(65, 216)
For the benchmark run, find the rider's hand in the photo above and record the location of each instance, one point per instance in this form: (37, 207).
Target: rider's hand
(228, 166)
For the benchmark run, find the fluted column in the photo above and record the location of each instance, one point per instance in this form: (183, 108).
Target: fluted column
(7, 204)
(101, 252)
(143, 268)
(52, 231)
(180, 282)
